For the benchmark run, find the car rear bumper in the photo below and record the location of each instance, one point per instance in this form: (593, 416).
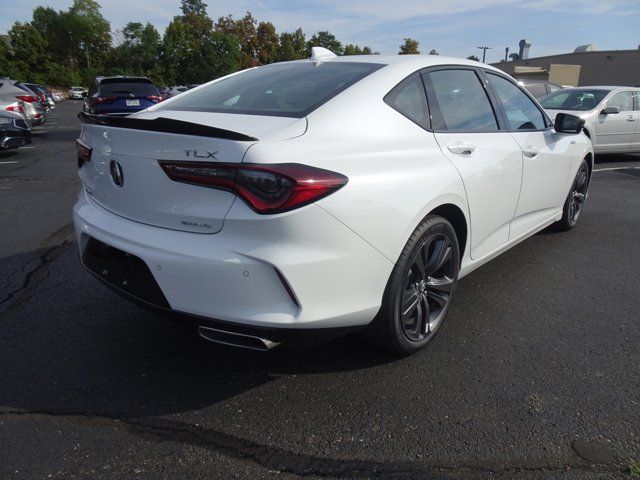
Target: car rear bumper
(300, 270)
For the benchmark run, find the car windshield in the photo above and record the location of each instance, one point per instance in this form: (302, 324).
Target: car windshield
(128, 88)
(580, 100)
(285, 90)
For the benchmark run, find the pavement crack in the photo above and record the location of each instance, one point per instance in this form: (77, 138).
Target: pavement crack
(31, 269)
(301, 464)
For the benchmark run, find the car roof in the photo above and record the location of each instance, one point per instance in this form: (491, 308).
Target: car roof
(121, 77)
(405, 64)
(602, 87)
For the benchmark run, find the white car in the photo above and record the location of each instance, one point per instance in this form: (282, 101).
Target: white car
(298, 201)
(611, 115)
(77, 93)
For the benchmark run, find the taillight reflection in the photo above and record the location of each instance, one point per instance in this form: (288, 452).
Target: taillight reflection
(84, 152)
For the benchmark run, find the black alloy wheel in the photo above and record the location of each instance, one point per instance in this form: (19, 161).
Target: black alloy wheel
(428, 287)
(420, 289)
(575, 199)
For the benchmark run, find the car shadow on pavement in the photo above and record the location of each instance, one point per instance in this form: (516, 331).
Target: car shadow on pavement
(70, 345)
(616, 158)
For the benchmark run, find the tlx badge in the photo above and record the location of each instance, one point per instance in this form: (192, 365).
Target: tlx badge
(196, 154)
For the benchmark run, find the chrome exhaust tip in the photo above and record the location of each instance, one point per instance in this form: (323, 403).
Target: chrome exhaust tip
(235, 339)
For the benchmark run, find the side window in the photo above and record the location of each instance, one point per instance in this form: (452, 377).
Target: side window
(636, 96)
(624, 100)
(553, 87)
(410, 100)
(459, 102)
(522, 113)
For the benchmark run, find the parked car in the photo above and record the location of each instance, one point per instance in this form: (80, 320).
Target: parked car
(176, 90)
(122, 95)
(45, 98)
(14, 130)
(540, 88)
(11, 91)
(49, 95)
(611, 115)
(77, 93)
(302, 200)
(57, 96)
(17, 107)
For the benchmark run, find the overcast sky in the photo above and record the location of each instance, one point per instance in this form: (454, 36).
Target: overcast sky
(452, 27)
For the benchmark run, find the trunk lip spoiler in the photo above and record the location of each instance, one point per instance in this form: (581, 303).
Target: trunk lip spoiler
(164, 125)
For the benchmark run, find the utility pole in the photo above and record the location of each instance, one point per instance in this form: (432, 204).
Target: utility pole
(484, 52)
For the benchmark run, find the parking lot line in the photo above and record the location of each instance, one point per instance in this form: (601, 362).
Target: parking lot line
(615, 168)
(6, 163)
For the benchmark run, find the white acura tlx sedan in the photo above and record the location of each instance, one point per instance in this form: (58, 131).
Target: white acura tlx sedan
(298, 201)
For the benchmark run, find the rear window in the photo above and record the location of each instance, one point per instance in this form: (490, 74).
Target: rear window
(137, 88)
(285, 90)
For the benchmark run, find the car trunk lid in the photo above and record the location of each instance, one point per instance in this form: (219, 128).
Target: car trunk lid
(124, 176)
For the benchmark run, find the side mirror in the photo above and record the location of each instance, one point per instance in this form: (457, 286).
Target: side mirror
(566, 123)
(610, 111)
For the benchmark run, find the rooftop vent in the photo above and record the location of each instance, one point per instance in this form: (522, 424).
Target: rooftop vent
(585, 48)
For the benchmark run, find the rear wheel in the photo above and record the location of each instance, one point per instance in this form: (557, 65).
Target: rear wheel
(575, 200)
(419, 290)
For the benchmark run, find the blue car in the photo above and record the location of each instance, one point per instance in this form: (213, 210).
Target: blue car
(121, 95)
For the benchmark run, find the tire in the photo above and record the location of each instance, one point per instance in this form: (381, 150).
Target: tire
(419, 290)
(575, 199)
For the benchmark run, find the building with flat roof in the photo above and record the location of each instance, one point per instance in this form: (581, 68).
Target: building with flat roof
(583, 67)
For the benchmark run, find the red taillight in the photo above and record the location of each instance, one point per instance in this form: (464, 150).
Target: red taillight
(15, 108)
(105, 99)
(267, 189)
(84, 152)
(155, 98)
(27, 98)
(43, 97)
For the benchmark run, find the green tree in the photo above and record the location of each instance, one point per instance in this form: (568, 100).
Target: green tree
(267, 43)
(30, 58)
(327, 40)
(139, 50)
(473, 57)
(6, 65)
(293, 46)
(192, 52)
(53, 27)
(351, 49)
(409, 47)
(90, 37)
(244, 29)
(356, 50)
(193, 6)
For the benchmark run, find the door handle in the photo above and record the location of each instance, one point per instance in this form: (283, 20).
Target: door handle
(631, 119)
(530, 151)
(461, 148)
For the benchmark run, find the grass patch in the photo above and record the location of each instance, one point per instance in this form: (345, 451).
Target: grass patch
(635, 470)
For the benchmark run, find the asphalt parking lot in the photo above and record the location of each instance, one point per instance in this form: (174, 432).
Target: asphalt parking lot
(535, 374)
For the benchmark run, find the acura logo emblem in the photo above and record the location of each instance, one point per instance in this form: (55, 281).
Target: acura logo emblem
(116, 173)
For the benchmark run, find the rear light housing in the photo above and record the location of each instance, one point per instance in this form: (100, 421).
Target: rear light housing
(27, 98)
(154, 98)
(15, 107)
(84, 152)
(267, 189)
